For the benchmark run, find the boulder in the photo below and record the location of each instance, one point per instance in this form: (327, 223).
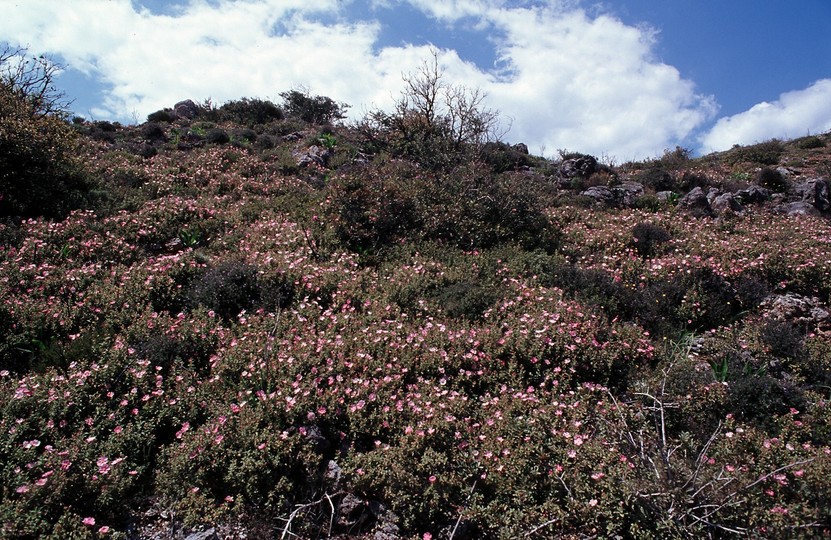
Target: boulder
(664, 196)
(316, 155)
(802, 311)
(753, 194)
(208, 534)
(601, 194)
(814, 192)
(696, 202)
(583, 166)
(725, 202)
(186, 109)
(522, 148)
(626, 193)
(798, 208)
(352, 511)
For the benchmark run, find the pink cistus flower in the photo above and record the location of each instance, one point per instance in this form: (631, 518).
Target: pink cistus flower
(89, 521)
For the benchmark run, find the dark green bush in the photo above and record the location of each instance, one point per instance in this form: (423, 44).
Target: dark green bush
(217, 136)
(375, 206)
(249, 112)
(227, 289)
(647, 237)
(245, 135)
(764, 153)
(750, 291)
(758, 397)
(772, 179)
(163, 115)
(153, 131)
(234, 286)
(40, 171)
(465, 299)
(313, 109)
(810, 142)
(783, 339)
(657, 179)
(502, 157)
(673, 160)
(692, 180)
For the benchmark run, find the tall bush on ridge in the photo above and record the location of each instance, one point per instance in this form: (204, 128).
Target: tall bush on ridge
(40, 174)
(312, 109)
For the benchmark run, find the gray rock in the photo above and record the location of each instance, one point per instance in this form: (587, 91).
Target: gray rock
(186, 109)
(785, 172)
(803, 311)
(725, 203)
(753, 194)
(583, 166)
(333, 473)
(664, 195)
(798, 208)
(695, 201)
(208, 534)
(814, 192)
(352, 511)
(522, 148)
(316, 155)
(626, 193)
(600, 194)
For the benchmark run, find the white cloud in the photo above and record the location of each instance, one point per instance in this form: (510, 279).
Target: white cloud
(566, 80)
(794, 114)
(591, 84)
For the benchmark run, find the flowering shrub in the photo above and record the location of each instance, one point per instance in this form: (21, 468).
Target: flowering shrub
(377, 350)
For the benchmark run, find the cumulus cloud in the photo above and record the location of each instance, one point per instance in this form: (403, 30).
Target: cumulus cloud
(591, 84)
(565, 79)
(792, 115)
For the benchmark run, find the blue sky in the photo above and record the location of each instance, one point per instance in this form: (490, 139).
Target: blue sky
(622, 79)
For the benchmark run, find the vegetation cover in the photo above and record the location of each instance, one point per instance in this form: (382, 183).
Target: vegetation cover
(258, 322)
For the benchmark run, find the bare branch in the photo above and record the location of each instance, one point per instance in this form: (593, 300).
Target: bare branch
(32, 79)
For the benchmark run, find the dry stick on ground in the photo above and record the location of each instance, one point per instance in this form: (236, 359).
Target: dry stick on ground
(467, 501)
(301, 507)
(542, 526)
(702, 512)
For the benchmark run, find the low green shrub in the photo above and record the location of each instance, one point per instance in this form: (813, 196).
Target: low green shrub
(648, 237)
(656, 179)
(217, 136)
(764, 153)
(772, 179)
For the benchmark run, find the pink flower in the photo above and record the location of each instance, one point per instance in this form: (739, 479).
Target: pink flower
(89, 521)
(22, 489)
(432, 479)
(104, 530)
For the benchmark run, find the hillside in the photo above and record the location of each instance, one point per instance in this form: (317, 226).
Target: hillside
(256, 321)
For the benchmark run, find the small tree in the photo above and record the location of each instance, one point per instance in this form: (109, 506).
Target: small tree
(433, 120)
(32, 80)
(40, 174)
